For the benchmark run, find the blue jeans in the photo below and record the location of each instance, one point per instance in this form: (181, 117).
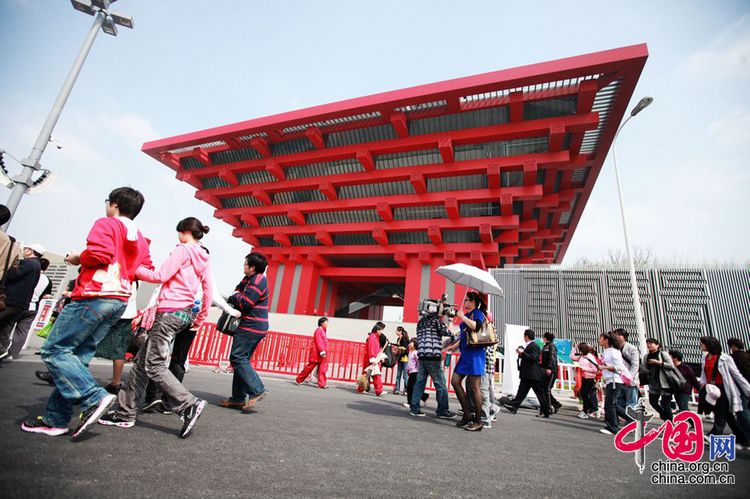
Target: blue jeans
(245, 381)
(71, 344)
(433, 369)
(627, 397)
(401, 373)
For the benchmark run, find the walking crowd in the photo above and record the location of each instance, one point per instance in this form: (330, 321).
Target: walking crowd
(97, 315)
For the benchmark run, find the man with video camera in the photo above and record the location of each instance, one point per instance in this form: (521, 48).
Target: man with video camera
(431, 329)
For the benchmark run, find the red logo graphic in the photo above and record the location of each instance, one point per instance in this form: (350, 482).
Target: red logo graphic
(679, 440)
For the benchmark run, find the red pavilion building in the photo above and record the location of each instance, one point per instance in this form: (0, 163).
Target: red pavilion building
(356, 203)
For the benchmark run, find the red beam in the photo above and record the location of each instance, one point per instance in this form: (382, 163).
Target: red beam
(380, 236)
(524, 129)
(511, 222)
(384, 212)
(435, 234)
(324, 238)
(418, 182)
(365, 159)
(282, 239)
(296, 217)
(229, 177)
(263, 197)
(493, 175)
(315, 136)
(526, 192)
(329, 191)
(261, 145)
(398, 121)
(276, 170)
(445, 146)
(516, 107)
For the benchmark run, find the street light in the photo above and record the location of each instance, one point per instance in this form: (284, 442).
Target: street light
(640, 327)
(104, 20)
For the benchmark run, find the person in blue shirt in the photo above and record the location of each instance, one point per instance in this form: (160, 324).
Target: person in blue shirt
(471, 364)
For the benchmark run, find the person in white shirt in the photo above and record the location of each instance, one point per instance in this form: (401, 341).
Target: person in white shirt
(612, 376)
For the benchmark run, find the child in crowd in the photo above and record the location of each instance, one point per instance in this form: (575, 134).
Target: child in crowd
(412, 366)
(115, 248)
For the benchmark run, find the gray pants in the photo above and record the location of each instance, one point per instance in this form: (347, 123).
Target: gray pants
(152, 363)
(488, 393)
(21, 332)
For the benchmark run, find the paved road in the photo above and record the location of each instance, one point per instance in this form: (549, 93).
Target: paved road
(306, 442)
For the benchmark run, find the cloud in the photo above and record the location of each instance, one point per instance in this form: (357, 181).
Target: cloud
(728, 56)
(731, 130)
(131, 128)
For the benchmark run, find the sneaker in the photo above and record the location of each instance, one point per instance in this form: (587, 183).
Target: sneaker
(419, 414)
(606, 431)
(297, 383)
(464, 421)
(406, 405)
(91, 415)
(494, 410)
(487, 423)
(231, 404)
(254, 400)
(152, 406)
(45, 376)
(159, 408)
(474, 426)
(510, 408)
(583, 415)
(113, 389)
(39, 426)
(112, 419)
(4, 355)
(190, 416)
(460, 412)
(446, 415)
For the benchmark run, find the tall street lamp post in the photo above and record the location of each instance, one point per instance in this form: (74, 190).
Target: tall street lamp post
(639, 324)
(105, 20)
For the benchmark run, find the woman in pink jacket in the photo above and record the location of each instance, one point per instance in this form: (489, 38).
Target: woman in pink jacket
(318, 356)
(185, 272)
(373, 357)
(589, 370)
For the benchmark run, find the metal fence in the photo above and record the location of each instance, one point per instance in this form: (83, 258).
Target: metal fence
(679, 305)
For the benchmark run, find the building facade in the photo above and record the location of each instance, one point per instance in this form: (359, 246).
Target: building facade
(356, 203)
(679, 305)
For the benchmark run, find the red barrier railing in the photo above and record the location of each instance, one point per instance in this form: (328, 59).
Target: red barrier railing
(286, 353)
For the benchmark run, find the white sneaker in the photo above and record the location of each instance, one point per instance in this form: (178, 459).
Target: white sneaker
(583, 415)
(605, 431)
(406, 405)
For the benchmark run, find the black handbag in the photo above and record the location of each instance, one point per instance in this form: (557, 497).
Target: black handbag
(228, 324)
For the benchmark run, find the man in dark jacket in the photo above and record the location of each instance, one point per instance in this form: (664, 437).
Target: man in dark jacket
(19, 288)
(549, 365)
(431, 329)
(742, 359)
(531, 376)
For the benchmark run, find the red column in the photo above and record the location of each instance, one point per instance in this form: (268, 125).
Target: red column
(308, 286)
(412, 288)
(437, 282)
(272, 271)
(321, 305)
(286, 288)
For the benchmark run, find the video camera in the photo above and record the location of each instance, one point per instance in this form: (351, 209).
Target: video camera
(430, 306)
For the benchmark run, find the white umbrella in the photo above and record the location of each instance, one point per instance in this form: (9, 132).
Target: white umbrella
(471, 277)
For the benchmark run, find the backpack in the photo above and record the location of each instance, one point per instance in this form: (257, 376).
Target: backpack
(391, 358)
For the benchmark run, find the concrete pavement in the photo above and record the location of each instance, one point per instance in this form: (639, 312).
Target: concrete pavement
(306, 442)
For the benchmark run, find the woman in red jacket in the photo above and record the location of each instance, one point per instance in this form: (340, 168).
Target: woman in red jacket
(373, 357)
(317, 356)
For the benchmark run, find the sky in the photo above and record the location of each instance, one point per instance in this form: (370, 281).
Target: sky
(190, 65)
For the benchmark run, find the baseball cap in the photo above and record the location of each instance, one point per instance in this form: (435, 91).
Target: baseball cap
(36, 248)
(712, 393)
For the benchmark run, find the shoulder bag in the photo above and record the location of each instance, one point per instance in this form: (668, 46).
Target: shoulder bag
(675, 379)
(485, 337)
